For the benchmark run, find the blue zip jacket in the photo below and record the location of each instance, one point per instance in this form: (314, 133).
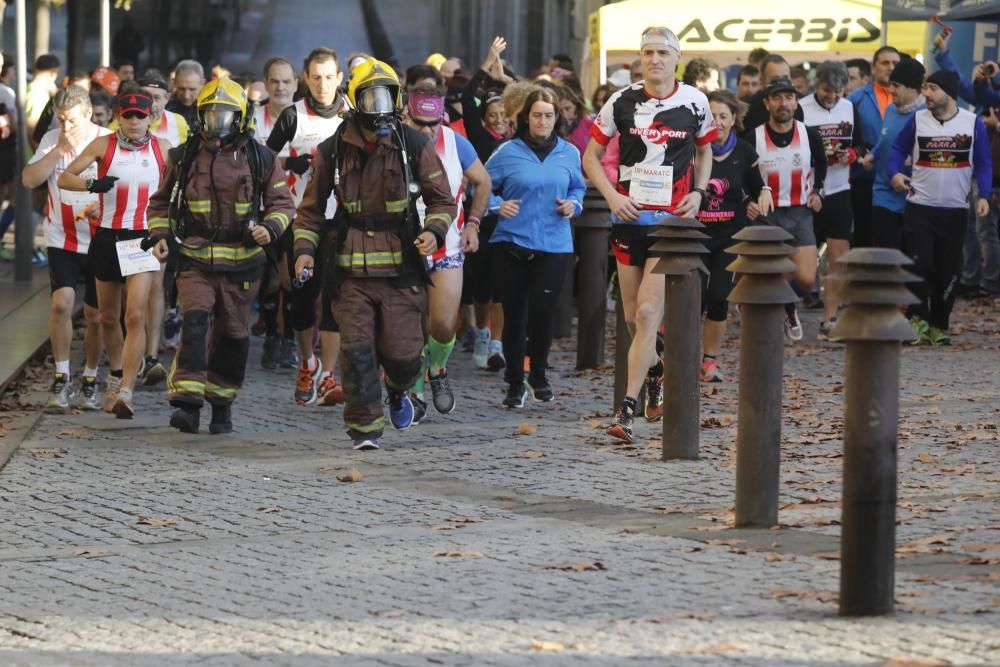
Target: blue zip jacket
(882, 193)
(868, 115)
(517, 173)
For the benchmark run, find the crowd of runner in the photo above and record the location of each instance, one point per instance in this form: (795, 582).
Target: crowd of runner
(379, 219)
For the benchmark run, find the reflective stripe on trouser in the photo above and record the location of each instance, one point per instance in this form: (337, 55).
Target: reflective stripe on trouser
(380, 325)
(210, 365)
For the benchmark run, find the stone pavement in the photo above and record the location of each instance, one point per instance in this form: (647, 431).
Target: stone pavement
(489, 537)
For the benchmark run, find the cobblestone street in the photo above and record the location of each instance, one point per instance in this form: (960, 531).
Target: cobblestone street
(491, 537)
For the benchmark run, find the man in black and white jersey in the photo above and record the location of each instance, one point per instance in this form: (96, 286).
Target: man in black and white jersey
(665, 133)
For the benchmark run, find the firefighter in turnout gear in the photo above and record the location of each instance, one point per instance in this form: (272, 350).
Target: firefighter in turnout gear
(376, 272)
(223, 197)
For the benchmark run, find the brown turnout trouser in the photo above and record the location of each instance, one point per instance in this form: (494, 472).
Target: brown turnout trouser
(211, 365)
(380, 325)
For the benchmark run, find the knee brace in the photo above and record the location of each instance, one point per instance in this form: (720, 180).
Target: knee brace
(229, 358)
(327, 322)
(402, 373)
(717, 310)
(361, 384)
(301, 312)
(194, 331)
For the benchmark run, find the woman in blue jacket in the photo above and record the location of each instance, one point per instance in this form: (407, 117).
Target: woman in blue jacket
(540, 185)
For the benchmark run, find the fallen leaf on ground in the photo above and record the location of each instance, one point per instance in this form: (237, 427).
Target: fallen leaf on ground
(389, 613)
(91, 552)
(669, 509)
(73, 432)
(694, 615)
(926, 458)
(728, 543)
(268, 510)
(775, 558)
(547, 646)
(444, 526)
(916, 662)
(571, 567)
(716, 649)
(827, 555)
(593, 423)
(353, 476)
(530, 454)
(925, 545)
(49, 453)
(525, 429)
(153, 521)
(461, 518)
(458, 554)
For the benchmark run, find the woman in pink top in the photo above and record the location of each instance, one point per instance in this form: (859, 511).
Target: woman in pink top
(577, 117)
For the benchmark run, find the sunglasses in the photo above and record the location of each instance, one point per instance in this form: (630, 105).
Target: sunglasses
(134, 114)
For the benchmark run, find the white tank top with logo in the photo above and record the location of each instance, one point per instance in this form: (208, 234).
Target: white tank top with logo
(942, 160)
(787, 171)
(311, 130)
(836, 128)
(447, 151)
(138, 172)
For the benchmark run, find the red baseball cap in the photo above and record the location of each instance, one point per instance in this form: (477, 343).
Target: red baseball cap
(106, 79)
(136, 102)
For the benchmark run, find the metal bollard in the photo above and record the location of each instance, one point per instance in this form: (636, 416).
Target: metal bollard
(679, 246)
(873, 328)
(592, 229)
(762, 293)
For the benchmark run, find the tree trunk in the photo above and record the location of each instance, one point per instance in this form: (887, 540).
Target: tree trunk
(42, 27)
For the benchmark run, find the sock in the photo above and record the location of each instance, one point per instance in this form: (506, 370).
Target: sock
(418, 386)
(62, 367)
(707, 357)
(125, 394)
(89, 372)
(440, 352)
(629, 404)
(309, 363)
(117, 374)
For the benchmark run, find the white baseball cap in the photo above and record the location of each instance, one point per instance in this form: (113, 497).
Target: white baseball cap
(661, 36)
(620, 78)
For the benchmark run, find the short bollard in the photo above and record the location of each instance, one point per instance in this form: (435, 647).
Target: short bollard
(762, 293)
(679, 247)
(873, 328)
(591, 229)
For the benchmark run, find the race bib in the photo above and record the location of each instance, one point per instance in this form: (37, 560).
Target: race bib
(132, 259)
(652, 186)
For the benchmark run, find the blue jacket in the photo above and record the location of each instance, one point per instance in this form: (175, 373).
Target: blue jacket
(517, 173)
(867, 112)
(882, 193)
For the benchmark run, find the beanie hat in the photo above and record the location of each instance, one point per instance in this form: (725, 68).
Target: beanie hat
(946, 81)
(909, 72)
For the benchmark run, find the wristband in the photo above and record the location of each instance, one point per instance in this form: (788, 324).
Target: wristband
(701, 191)
(473, 220)
(88, 183)
(766, 187)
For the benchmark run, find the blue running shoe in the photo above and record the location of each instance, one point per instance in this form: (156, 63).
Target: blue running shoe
(400, 409)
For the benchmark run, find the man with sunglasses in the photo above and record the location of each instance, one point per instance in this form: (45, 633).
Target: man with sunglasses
(665, 131)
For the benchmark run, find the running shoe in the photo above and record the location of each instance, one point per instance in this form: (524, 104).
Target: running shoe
(365, 444)
(39, 258)
(938, 337)
(272, 353)
(172, 330)
(400, 409)
(331, 392)
(88, 399)
(123, 407)
(6, 254)
(621, 425)
(710, 371)
(495, 361)
(653, 409)
(307, 384)
(419, 408)
(481, 349)
(441, 393)
(289, 355)
(826, 332)
(540, 388)
(62, 390)
(921, 331)
(111, 392)
(155, 372)
(517, 395)
(793, 326)
(469, 340)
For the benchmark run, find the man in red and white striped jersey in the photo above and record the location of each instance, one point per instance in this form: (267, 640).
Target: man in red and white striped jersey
(70, 219)
(793, 167)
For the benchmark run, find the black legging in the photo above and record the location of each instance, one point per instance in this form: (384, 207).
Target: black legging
(934, 240)
(715, 287)
(527, 283)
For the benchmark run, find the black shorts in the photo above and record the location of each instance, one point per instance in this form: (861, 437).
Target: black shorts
(303, 299)
(836, 219)
(477, 277)
(103, 254)
(631, 243)
(69, 269)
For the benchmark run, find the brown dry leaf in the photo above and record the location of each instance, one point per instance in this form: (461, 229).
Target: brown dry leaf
(669, 509)
(925, 545)
(530, 454)
(353, 476)
(91, 552)
(153, 521)
(694, 615)
(978, 548)
(827, 555)
(594, 424)
(461, 518)
(926, 458)
(571, 567)
(458, 554)
(728, 543)
(268, 510)
(979, 560)
(389, 613)
(779, 593)
(916, 662)
(716, 649)
(547, 646)
(74, 432)
(49, 453)
(444, 526)
(775, 557)
(526, 429)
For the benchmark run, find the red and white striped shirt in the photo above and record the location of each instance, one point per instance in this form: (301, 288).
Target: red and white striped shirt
(787, 170)
(138, 172)
(71, 217)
